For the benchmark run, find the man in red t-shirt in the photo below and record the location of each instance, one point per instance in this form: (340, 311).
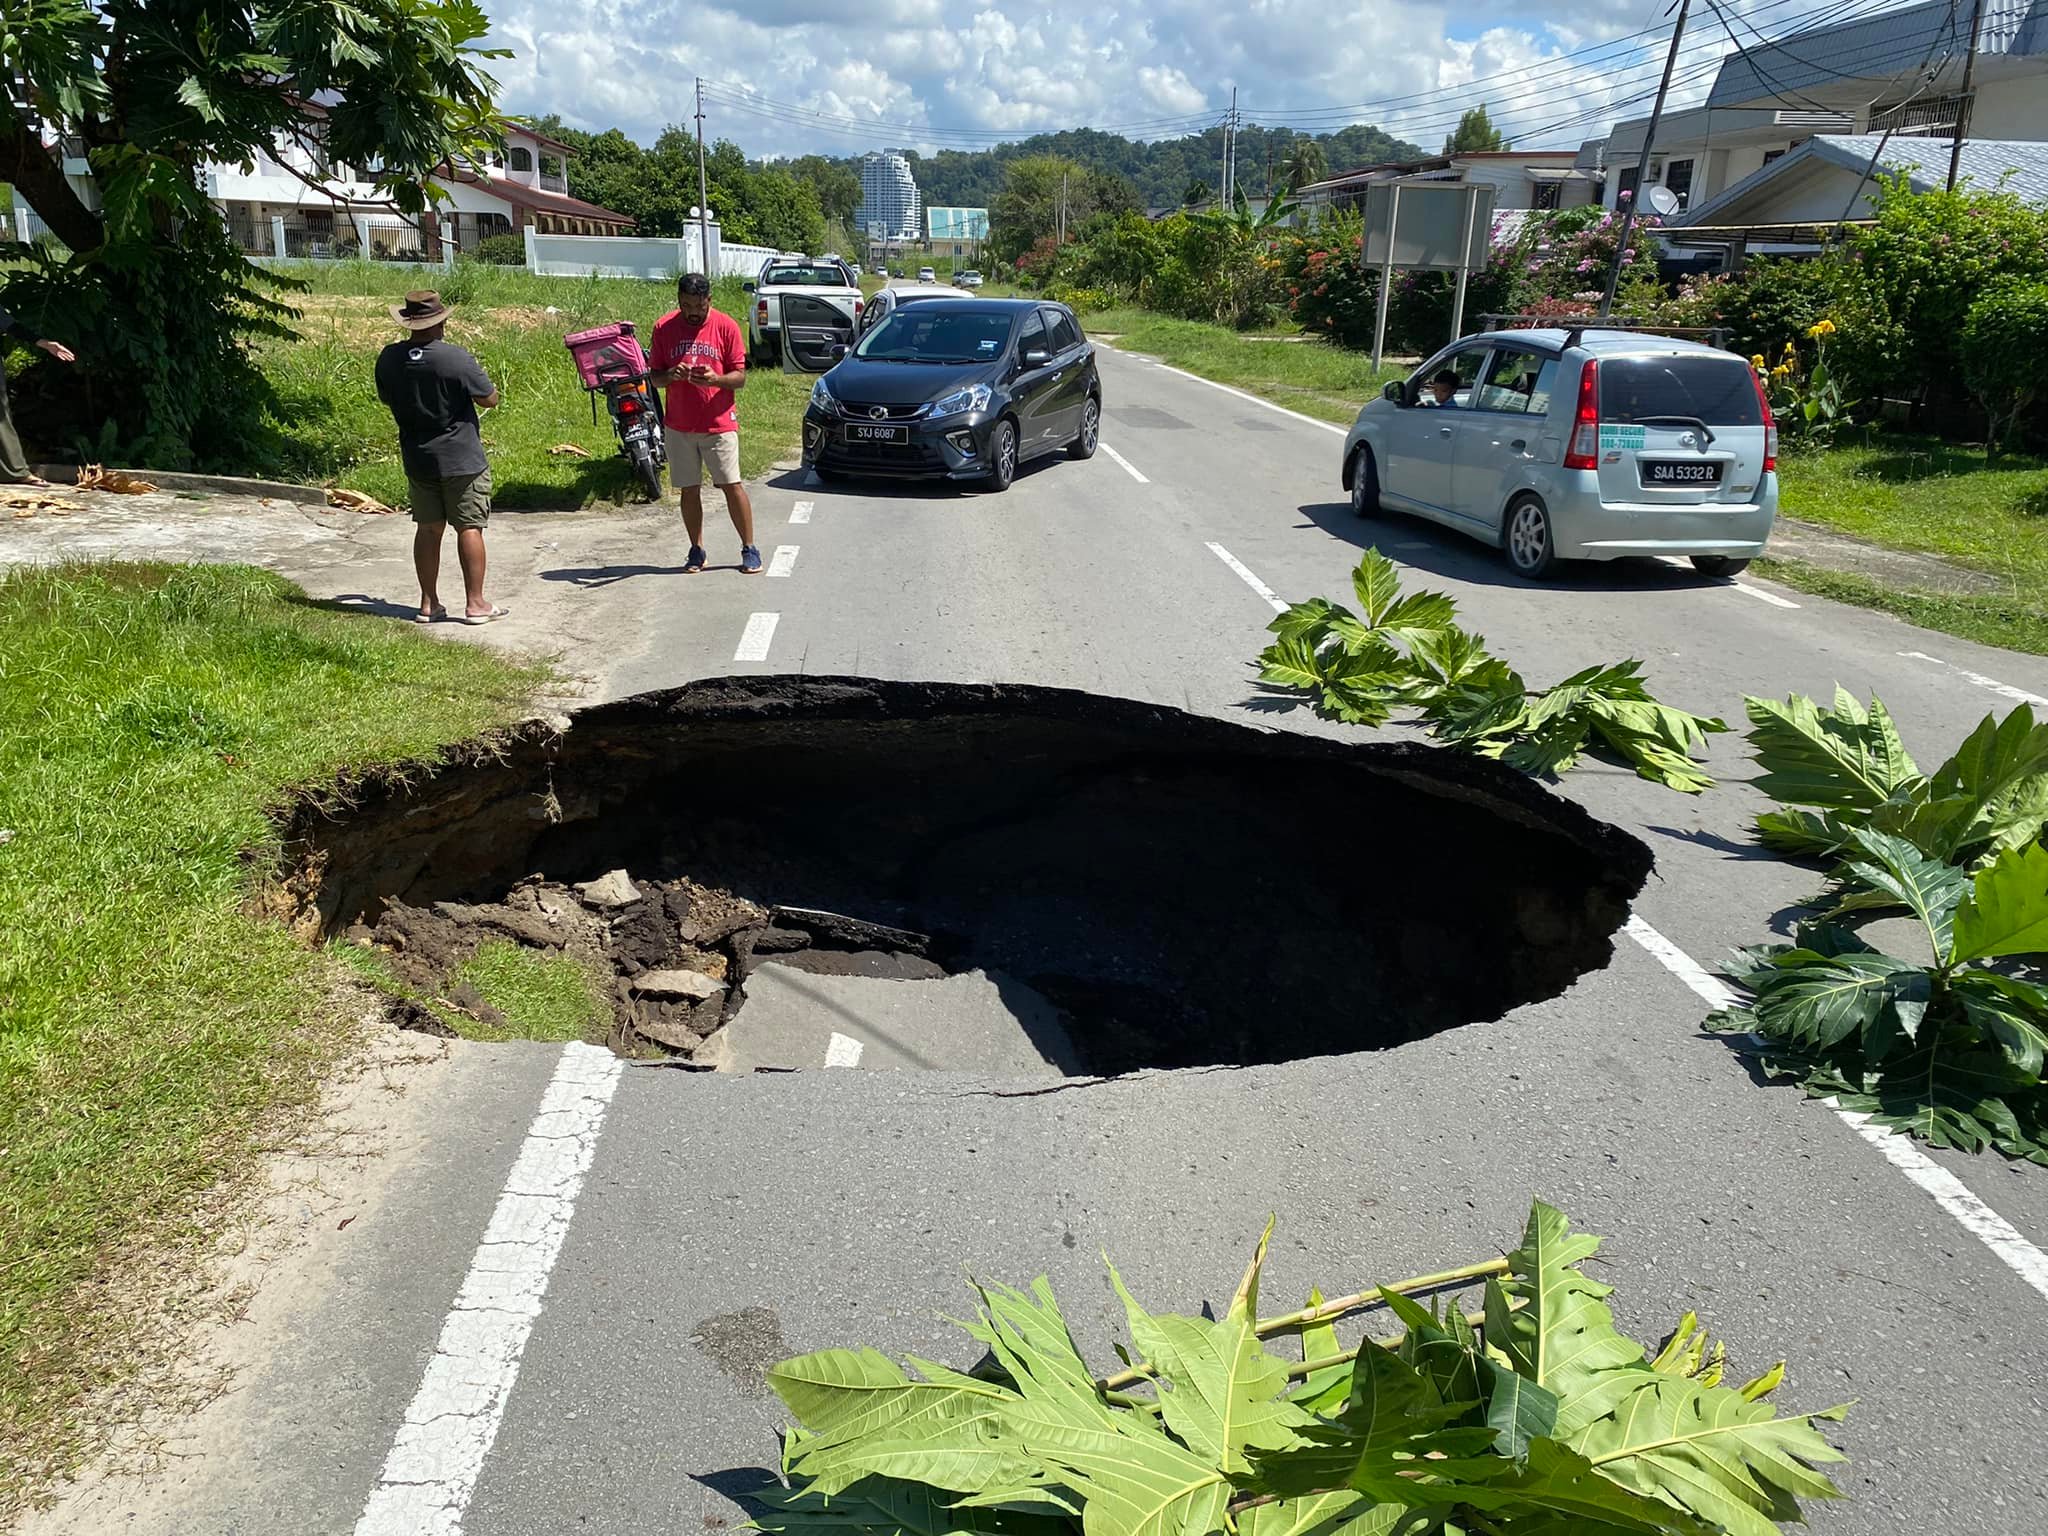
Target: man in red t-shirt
(702, 358)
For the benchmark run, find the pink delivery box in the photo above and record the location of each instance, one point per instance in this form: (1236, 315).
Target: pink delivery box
(608, 352)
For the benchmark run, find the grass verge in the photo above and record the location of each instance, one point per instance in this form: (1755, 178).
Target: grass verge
(152, 1030)
(1305, 375)
(2014, 623)
(333, 428)
(542, 996)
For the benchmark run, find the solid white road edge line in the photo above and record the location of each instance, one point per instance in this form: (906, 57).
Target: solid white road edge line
(2004, 690)
(1327, 426)
(448, 1430)
(1762, 596)
(1129, 468)
(1948, 1191)
(1245, 575)
(843, 1051)
(783, 561)
(757, 637)
(801, 512)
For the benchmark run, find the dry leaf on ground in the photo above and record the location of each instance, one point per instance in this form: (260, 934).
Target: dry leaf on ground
(570, 451)
(95, 477)
(27, 501)
(356, 501)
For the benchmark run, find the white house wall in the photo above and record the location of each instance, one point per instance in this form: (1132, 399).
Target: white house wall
(2011, 109)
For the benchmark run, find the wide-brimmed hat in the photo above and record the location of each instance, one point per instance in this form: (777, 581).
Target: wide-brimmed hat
(422, 308)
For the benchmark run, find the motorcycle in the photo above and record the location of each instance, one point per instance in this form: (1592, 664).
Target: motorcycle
(611, 363)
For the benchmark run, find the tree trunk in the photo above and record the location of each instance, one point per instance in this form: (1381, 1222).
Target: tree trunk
(39, 177)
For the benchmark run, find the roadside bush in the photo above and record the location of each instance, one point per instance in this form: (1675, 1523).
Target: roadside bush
(501, 250)
(1916, 272)
(2005, 356)
(1775, 299)
(1081, 301)
(1419, 310)
(1330, 291)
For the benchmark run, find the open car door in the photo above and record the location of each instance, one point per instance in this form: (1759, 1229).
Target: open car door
(813, 329)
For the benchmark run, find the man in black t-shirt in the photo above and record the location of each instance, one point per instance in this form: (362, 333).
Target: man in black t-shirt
(434, 390)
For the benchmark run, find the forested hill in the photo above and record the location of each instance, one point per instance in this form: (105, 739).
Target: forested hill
(1161, 170)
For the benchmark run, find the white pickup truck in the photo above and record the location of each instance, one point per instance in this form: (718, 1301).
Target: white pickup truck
(800, 308)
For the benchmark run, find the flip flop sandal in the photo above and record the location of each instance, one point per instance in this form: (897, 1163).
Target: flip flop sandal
(430, 618)
(485, 618)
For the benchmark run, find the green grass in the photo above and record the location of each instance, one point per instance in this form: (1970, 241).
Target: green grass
(543, 997)
(336, 431)
(1312, 377)
(154, 1029)
(1934, 498)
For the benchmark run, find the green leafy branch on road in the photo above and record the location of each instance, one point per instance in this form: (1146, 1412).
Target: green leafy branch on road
(1408, 652)
(1843, 771)
(1950, 1051)
(1533, 1416)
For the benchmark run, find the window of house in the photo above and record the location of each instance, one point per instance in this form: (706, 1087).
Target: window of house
(522, 158)
(1678, 179)
(1628, 182)
(1772, 154)
(1545, 194)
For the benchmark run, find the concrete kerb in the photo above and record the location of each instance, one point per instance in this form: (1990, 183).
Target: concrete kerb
(63, 477)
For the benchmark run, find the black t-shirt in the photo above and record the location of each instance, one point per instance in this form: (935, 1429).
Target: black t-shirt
(432, 389)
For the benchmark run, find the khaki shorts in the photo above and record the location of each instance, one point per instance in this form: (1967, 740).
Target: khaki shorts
(462, 501)
(691, 453)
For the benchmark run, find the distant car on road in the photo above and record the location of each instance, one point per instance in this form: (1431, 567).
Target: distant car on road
(927, 275)
(969, 279)
(957, 389)
(1577, 445)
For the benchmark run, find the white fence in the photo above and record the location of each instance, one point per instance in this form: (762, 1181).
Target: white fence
(638, 255)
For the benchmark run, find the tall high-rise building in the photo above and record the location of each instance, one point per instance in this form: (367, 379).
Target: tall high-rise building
(890, 208)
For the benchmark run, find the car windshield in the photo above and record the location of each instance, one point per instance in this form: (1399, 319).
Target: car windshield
(810, 275)
(1720, 392)
(922, 333)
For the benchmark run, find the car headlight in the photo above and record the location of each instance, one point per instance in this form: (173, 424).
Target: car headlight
(821, 397)
(975, 397)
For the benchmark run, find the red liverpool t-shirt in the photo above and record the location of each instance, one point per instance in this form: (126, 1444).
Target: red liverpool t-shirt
(717, 345)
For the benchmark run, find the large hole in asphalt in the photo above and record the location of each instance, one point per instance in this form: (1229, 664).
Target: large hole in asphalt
(1131, 885)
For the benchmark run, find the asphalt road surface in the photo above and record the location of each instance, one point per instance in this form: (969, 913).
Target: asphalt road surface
(557, 1318)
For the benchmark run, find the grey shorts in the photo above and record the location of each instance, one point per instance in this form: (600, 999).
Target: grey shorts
(461, 501)
(690, 454)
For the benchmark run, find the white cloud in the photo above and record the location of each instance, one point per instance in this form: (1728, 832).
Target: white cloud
(964, 72)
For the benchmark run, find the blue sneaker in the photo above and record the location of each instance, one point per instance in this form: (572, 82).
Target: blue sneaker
(750, 561)
(695, 562)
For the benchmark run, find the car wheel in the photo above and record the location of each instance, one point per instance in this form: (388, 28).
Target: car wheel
(1719, 565)
(1083, 446)
(1530, 550)
(1002, 455)
(1365, 483)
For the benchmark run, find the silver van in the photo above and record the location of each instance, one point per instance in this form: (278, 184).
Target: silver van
(1577, 445)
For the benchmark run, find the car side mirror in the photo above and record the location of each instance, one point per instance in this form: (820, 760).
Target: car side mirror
(746, 287)
(1395, 391)
(1037, 357)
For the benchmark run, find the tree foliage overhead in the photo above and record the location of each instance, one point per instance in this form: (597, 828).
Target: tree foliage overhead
(151, 294)
(1475, 132)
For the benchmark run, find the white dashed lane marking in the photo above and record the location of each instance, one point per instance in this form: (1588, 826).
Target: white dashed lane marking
(448, 1430)
(1762, 596)
(1949, 1192)
(783, 561)
(2003, 690)
(801, 512)
(1244, 573)
(757, 637)
(1129, 468)
(843, 1051)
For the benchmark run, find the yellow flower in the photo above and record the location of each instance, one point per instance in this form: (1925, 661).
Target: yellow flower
(1790, 349)
(1758, 361)
(1780, 371)
(1827, 327)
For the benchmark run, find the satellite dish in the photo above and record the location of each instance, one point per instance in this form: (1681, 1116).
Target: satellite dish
(1662, 201)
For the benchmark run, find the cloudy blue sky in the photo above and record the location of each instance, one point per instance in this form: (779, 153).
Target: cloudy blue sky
(839, 76)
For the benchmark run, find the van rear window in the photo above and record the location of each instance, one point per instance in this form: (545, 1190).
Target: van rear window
(1719, 391)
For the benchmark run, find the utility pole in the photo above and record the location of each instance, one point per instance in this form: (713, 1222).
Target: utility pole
(703, 192)
(1955, 153)
(1060, 219)
(1230, 154)
(1628, 218)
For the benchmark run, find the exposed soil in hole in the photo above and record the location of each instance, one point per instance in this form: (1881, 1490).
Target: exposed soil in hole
(1186, 891)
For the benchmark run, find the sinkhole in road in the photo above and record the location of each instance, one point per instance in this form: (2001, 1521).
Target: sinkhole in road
(1134, 885)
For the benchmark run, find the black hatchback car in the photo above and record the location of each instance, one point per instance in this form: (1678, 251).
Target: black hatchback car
(957, 389)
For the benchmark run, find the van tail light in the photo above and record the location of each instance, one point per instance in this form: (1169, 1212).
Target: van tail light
(1763, 401)
(1583, 452)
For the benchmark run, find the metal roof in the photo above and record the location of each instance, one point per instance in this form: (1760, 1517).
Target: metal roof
(1891, 44)
(2018, 166)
